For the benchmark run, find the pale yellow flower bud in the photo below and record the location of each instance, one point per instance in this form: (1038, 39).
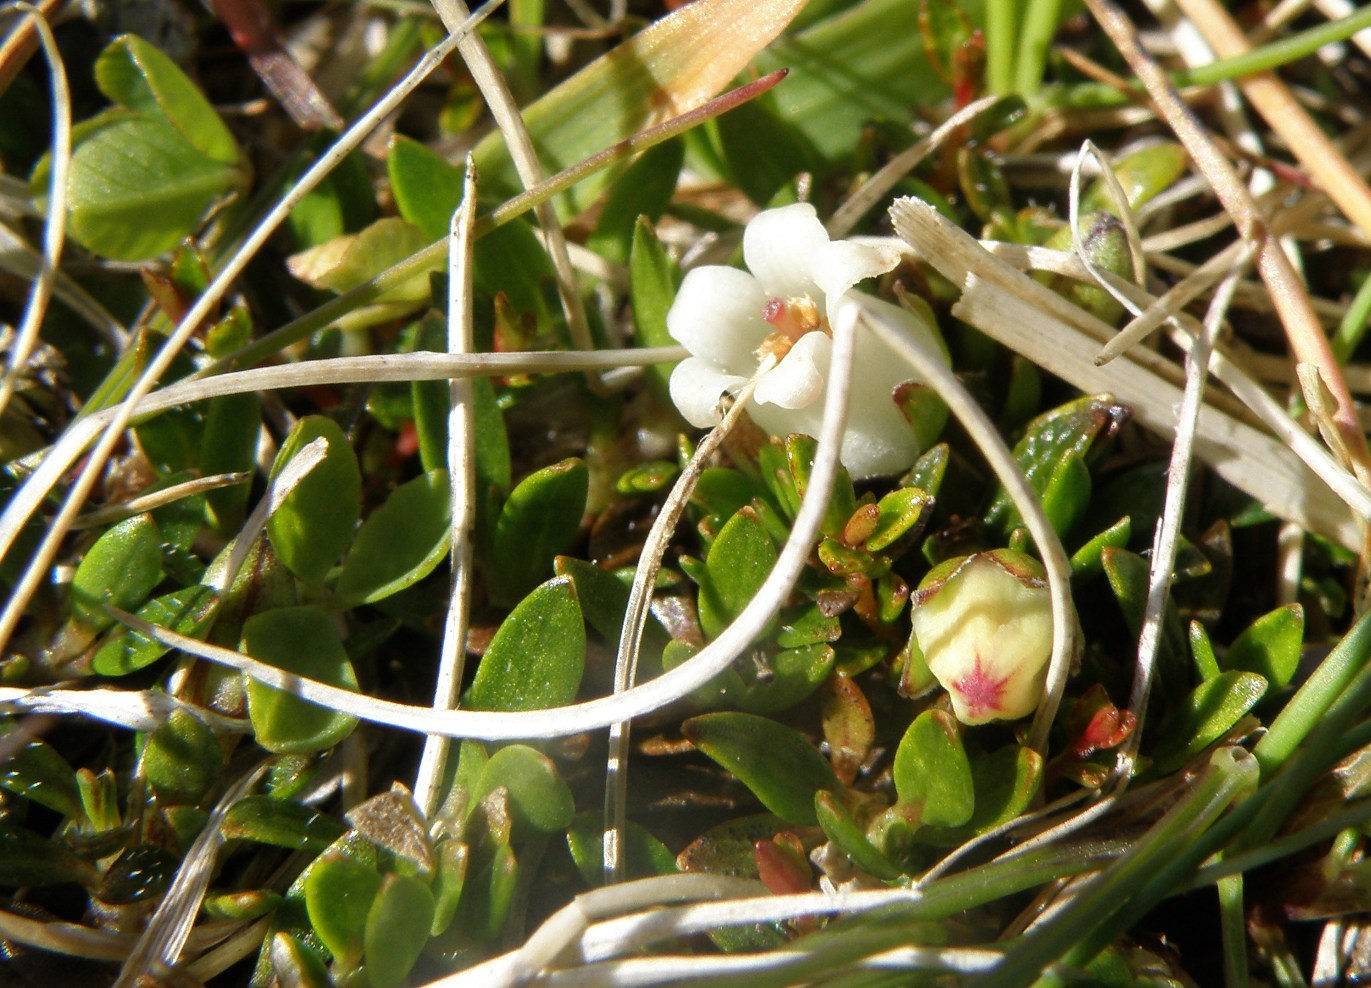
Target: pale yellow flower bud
(984, 626)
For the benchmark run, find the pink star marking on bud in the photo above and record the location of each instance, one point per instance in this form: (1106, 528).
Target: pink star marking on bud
(981, 691)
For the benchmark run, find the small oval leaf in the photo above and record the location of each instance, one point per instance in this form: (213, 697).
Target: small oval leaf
(402, 541)
(315, 522)
(536, 658)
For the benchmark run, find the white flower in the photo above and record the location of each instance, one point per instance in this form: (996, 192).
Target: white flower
(984, 626)
(730, 319)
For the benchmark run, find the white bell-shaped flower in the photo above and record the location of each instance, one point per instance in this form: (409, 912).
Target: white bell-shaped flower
(730, 320)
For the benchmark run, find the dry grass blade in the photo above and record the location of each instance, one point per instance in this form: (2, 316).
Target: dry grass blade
(1036, 322)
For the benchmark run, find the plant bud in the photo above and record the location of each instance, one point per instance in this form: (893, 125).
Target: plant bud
(984, 626)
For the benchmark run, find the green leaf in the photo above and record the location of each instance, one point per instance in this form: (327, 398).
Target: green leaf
(426, 186)
(781, 767)
(1206, 714)
(37, 772)
(642, 854)
(119, 570)
(189, 611)
(303, 641)
(402, 541)
(182, 758)
(1050, 454)
(839, 826)
(487, 895)
(738, 563)
(728, 849)
(653, 280)
(315, 522)
(643, 191)
(537, 656)
(1088, 559)
(339, 891)
(1006, 782)
(397, 929)
(538, 797)
(800, 451)
(928, 470)
(793, 674)
(136, 186)
(140, 873)
(900, 511)
(345, 262)
(233, 425)
(281, 823)
(1270, 646)
(541, 517)
(761, 151)
(932, 771)
(136, 75)
(1128, 578)
(604, 599)
(1143, 175)
(453, 857)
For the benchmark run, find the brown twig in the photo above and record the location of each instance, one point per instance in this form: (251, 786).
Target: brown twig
(1306, 336)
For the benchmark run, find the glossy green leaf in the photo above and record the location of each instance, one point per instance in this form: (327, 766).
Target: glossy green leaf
(932, 771)
(900, 511)
(781, 767)
(928, 470)
(792, 674)
(604, 599)
(541, 517)
(1206, 714)
(303, 641)
(1006, 782)
(344, 202)
(402, 541)
(137, 186)
(233, 425)
(396, 929)
(315, 522)
(427, 187)
(453, 858)
(807, 625)
(537, 656)
(653, 280)
(1142, 174)
(182, 758)
(800, 452)
(738, 563)
(37, 772)
(294, 963)
(1202, 649)
(242, 907)
(728, 849)
(339, 891)
(189, 611)
(1050, 455)
(643, 855)
(1270, 646)
(281, 823)
(538, 797)
(839, 826)
(119, 570)
(1088, 559)
(139, 874)
(1127, 573)
(134, 74)
(487, 896)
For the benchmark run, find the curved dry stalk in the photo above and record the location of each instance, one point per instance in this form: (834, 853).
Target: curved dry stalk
(148, 502)
(500, 100)
(55, 227)
(147, 380)
(636, 614)
(142, 710)
(1302, 329)
(1166, 540)
(577, 718)
(461, 458)
(65, 938)
(159, 946)
(938, 376)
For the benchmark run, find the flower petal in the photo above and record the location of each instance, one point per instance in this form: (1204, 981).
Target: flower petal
(717, 315)
(696, 387)
(838, 266)
(798, 380)
(781, 246)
